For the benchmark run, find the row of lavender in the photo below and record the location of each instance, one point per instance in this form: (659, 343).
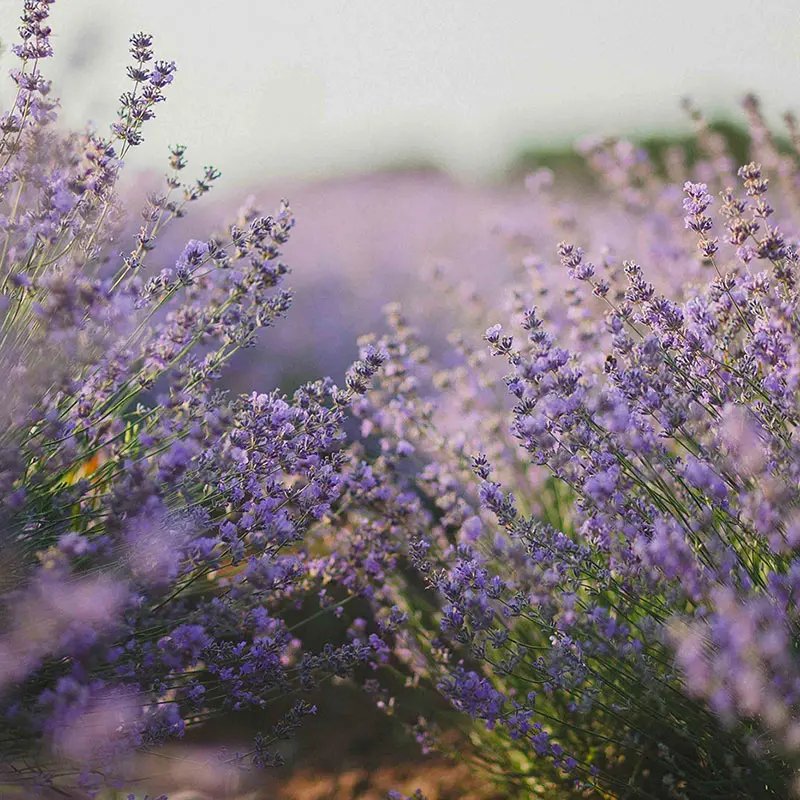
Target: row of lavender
(582, 537)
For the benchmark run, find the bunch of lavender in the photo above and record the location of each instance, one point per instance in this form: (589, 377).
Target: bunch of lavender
(151, 524)
(609, 585)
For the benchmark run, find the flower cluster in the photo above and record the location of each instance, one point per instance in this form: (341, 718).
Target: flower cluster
(613, 572)
(153, 526)
(580, 530)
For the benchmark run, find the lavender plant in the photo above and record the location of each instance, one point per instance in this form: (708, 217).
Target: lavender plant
(608, 584)
(151, 523)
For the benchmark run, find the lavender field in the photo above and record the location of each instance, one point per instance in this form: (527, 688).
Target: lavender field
(416, 487)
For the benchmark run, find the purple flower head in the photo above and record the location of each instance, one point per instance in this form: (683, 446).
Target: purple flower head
(162, 73)
(183, 646)
(474, 695)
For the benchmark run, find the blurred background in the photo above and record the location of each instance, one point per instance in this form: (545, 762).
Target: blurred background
(320, 88)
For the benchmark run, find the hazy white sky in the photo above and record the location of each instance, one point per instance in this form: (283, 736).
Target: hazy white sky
(310, 87)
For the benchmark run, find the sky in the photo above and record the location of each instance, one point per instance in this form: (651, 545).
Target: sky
(316, 88)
